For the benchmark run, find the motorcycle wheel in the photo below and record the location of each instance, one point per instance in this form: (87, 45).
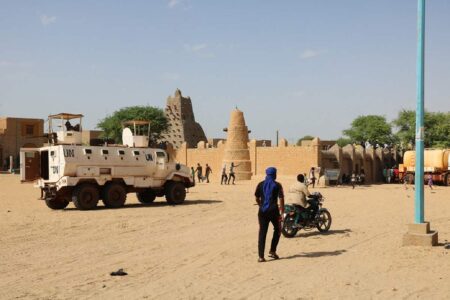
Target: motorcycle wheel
(323, 221)
(288, 229)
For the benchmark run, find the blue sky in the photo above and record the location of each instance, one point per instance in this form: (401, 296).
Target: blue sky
(303, 67)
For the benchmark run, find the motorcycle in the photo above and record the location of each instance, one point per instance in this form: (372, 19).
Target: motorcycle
(314, 216)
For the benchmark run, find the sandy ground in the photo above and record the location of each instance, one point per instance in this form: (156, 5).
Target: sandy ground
(207, 248)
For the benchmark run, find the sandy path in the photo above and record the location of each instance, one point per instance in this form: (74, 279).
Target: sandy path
(207, 248)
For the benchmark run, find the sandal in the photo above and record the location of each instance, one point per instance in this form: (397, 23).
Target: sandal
(261, 259)
(273, 255)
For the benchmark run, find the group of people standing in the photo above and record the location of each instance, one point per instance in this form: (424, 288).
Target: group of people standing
(226, 177)
(199, 172)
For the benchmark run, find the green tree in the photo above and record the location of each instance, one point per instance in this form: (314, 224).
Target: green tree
(438, 133)
(372, 128)
(112, 125)
(437, 129)
(305, 138)
(406, 125)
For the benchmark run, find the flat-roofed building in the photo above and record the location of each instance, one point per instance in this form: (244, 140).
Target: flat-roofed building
(16, 133)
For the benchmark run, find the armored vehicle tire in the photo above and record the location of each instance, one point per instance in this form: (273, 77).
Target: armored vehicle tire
(114, 195)
(146, 197)
(58, 203)
(85, 196)
(175, 193)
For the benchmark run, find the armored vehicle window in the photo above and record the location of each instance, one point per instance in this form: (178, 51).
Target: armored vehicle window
(121, 152)
(160, 154)
(87, 151)
(105, 152)
(135, 153)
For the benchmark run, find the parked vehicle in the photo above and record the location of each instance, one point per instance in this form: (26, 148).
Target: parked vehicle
(65, 170)
(314, 216)
(436, 164)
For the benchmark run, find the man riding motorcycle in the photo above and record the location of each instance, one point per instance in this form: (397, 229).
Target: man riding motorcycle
(298, 193)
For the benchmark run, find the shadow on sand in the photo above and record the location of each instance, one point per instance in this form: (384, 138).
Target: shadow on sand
(154, 204)
(316, 232)
(316, 254)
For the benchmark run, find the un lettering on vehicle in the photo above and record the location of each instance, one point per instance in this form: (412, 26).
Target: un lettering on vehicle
(69, 152)
(55, 170)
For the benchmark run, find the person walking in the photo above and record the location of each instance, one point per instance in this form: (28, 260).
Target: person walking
(318, 174)
(207, 172)
(232, 166)
(199, 171)
(267, 194)
(312, 176)
(430, 181)
(224, 178)
(353, 180)
(193, 174)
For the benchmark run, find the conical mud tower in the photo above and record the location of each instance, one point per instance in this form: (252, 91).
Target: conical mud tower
(236, 147)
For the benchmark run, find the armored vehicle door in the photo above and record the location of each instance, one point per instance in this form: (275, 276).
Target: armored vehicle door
(161, 164)
(30, 165)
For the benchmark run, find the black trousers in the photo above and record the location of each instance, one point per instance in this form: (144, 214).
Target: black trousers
(265, 218)
(224, 179)
(229, 178)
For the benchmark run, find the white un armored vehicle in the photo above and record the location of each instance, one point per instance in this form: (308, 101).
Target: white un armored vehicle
(66, 170)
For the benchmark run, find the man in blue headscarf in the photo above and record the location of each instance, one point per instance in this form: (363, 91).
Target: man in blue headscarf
(267, 194)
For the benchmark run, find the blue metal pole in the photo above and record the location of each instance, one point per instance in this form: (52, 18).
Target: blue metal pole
(420, 132)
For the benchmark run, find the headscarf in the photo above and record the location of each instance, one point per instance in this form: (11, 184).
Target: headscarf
(268, 187)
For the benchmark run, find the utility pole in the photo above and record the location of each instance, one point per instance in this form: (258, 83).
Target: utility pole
(277, 138)
(419, 233)
(420, 132)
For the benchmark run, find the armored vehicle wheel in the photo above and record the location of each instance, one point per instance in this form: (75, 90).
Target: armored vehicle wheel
(114, 195)
(58, 203)
(175, 193)
(85, 196)
(146, 197)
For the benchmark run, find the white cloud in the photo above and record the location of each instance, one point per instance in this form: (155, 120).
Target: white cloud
(199, 49)
(195, 48)
(170, 76)
(47, 20)
(310, 53)
(173, 3)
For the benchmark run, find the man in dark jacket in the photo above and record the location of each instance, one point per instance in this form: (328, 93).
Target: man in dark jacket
(267, 194)
(199, 171)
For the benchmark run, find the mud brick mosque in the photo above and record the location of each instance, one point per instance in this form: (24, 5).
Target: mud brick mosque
(187, 144)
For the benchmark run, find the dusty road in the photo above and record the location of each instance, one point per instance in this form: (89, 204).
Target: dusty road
(207, 248)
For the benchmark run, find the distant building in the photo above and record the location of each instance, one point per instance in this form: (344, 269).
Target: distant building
(183, 127)
(16, 133)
